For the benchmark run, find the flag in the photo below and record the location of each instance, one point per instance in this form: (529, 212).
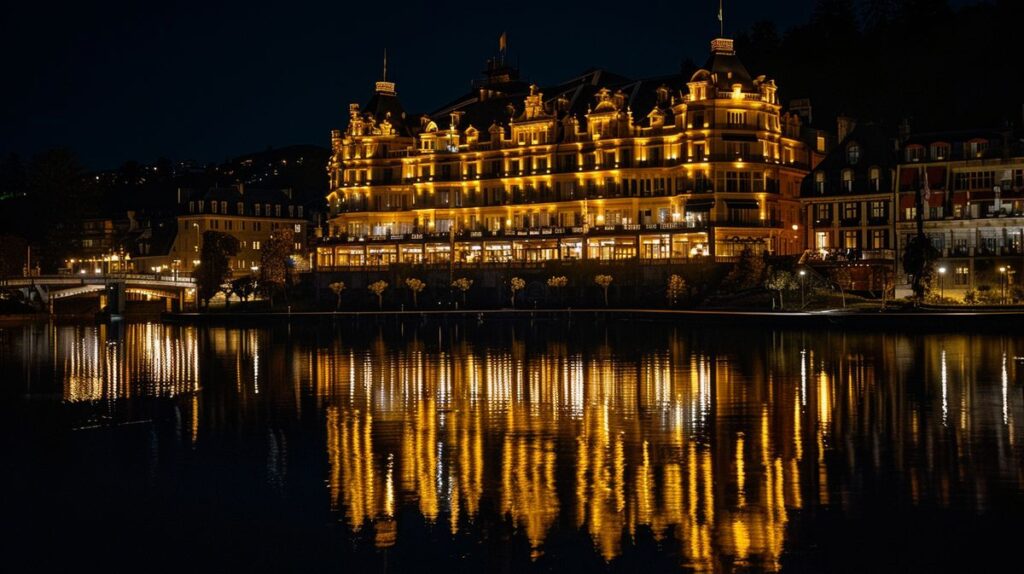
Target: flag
(926, 191)
(502, 42)
(720, 17)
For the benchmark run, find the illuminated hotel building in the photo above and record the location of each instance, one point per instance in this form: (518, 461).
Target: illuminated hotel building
(597, 167)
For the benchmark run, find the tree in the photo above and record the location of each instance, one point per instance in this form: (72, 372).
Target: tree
(463, 284)
(604, 281)
(227, 288)
(244, 287)
(919, 262)
(517, 284)
(275, 263)
(416, 286)
(676, 289)
(557, 282)
(214, 266)
(842, 277)
(378, 288)
(781, 281)
(747, 273)
(337, 287)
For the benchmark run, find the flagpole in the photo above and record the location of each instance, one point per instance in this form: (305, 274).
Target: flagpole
(721, 21)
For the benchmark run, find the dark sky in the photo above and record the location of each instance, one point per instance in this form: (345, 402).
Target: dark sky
(209, 80)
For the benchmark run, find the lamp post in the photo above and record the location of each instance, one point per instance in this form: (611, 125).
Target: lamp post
(1002, 285)
(803, 273)
(796, 237)
(942, 282)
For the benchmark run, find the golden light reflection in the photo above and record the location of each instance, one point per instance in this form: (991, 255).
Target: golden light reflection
(708, 452)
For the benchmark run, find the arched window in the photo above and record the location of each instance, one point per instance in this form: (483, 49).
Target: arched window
(853, 154)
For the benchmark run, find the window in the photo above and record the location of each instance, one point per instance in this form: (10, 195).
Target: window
(820, 144)
(847, 180)
(910, 214)
(977, 148)
(300, 211)
(823, 212)
(940, 151)
(961, 275)
(851, 210)
(736, 118)
(298, 228)
(879, 239)
(853, 154)
(875, 175)
(213, 207)
(915, 153)
(257, 206)
(878, 211)
(241, 208)
(819, 182)
(277, 210)
(256, 245)
(224, 207)
(851, 239)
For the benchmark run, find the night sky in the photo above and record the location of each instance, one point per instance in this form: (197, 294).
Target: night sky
(206, 82)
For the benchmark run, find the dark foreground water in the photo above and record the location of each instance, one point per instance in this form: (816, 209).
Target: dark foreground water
(509, 448)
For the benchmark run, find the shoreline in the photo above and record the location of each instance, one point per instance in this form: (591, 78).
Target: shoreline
(930, 318)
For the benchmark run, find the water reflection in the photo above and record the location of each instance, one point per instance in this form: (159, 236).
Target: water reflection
(710, 451)
(709, 446)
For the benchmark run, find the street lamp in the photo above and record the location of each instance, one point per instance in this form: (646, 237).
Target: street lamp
(1002, 285)
(942, 282)
(803, 273)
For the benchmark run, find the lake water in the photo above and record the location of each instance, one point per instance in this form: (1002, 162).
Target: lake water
(500, 447)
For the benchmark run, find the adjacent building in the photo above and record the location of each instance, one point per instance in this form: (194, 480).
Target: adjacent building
(971, 186)
(849, 210)
(250, 215)
(600, 167)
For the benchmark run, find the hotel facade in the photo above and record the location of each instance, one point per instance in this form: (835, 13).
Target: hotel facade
(600, 167)
(972, 200)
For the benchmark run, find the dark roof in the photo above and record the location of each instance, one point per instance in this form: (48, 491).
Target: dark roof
(580, 92)
(877, 148)
(246, 195)
(387, 106)
(728, 71)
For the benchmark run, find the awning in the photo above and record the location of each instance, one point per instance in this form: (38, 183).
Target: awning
(741, 204)
(700, 204)
(908, 178)
(739, 137)
(937, 177)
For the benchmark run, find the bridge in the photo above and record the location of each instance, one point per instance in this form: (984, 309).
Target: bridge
(110, 288)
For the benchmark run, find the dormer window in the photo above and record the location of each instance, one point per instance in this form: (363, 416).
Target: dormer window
(977, 148)
(875, 177)
(847, 180)
(940, 151)
(852, 154)
(819, 182)
(915, 153)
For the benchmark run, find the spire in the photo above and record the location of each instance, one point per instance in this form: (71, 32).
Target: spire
(384, 86)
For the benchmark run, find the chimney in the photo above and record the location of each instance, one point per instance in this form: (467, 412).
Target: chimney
(845, 125)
